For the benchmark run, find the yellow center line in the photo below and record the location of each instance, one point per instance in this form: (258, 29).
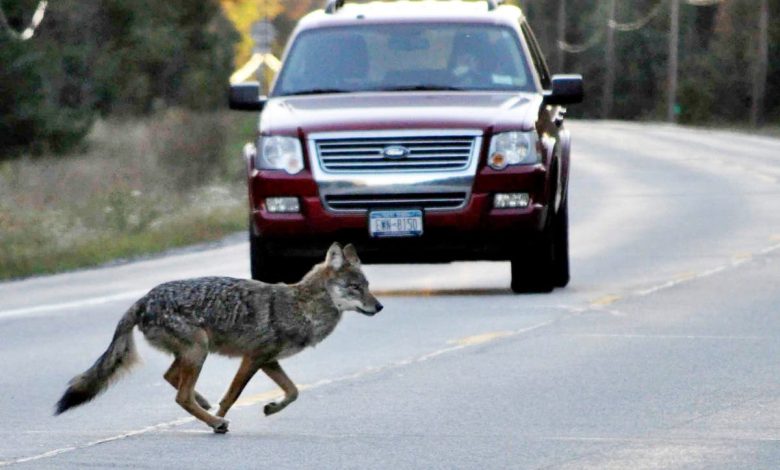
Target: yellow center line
(480, 339)
(457, 344)
(605, 300)
(686, 276)
(767, 178)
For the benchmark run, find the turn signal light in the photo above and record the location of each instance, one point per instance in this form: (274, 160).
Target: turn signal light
(511, 200)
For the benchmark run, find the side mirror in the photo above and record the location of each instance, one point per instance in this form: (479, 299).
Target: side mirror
(566, 89)
(246, 97)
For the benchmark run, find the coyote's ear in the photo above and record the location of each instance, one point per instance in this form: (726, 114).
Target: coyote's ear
(335, 257)
(350, 254)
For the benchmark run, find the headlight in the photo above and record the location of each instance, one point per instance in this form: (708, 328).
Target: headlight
(513, 148)
(279, 153)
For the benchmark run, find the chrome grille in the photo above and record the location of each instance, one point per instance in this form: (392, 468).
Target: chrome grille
(367, 154)
(435, 201)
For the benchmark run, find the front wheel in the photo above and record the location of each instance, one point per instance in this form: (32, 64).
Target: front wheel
(545, 264)
(532, 270)
(561, 235)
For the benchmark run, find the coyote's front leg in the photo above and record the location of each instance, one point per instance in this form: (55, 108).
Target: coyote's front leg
(275, 372)
(246, 371)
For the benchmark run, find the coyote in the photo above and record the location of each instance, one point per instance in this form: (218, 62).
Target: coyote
(261, 323)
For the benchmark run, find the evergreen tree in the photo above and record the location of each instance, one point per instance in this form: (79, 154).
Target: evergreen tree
(109, 57)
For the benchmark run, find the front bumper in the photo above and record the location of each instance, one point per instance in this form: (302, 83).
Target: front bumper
(473, 232)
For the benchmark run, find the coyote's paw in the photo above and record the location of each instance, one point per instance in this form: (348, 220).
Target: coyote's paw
(273, 407)
(221, 426)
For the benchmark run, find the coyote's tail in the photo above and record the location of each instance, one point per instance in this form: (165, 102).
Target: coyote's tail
(119, 356)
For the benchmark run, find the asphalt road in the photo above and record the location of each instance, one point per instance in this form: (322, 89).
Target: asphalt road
(663, 352)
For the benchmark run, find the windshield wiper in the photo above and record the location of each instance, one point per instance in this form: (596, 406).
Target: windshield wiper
(420, 88)
(323, 91)
(317, 91)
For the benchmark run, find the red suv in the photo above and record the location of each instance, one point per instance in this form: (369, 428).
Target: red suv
(421, 132)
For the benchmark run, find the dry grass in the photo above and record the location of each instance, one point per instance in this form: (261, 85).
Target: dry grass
(140, 187)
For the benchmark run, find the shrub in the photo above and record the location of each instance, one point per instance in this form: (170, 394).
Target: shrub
(189, 147)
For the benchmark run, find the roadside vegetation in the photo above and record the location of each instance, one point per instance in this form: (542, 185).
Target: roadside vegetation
(114, 137)
(141, 187)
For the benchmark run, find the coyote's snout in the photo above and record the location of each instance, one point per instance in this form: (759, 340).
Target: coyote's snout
(261, 323)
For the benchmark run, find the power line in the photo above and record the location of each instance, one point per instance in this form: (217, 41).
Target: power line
(656, 10)
(640, 23)
(612, 24)
(703, 3)
(627, 27)
(29, 32)
(580, 48)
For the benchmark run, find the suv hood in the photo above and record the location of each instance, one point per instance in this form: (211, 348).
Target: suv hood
(486, 111)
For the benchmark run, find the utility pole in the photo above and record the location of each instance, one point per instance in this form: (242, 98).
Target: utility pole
(561, 36)
(609, 79)
(674, 41)
(761, 65)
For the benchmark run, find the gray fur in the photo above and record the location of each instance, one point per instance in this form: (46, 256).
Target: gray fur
(119, 356)
(260, 322)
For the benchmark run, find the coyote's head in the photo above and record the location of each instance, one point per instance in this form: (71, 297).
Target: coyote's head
(346, 283)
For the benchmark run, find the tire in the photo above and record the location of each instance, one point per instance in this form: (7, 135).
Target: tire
(272, 269)
(545, 265)
(561, 250)
(533, 270)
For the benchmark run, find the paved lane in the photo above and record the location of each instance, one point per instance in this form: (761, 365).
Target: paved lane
(662, 353)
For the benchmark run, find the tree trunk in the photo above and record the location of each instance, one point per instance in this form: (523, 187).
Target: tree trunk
(674, 39)
(760, 68)
(609, 79)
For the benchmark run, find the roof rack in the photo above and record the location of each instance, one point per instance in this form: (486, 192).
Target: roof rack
(493, 4)
(332, 6)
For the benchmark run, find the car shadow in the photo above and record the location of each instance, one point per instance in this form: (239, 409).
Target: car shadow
(442, 292)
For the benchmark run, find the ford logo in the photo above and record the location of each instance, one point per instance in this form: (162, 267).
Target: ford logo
(395, 152)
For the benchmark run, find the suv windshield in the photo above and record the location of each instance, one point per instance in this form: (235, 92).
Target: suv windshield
(398, 57)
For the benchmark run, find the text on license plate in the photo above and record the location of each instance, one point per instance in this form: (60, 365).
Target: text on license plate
(396, 223)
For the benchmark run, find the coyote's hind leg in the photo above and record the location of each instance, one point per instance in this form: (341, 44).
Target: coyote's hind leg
(191, 362)
(275, 372)
(172, 377)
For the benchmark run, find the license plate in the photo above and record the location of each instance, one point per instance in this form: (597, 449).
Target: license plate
(395, 223)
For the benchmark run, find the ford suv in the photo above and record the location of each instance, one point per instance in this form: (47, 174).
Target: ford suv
(426, 131)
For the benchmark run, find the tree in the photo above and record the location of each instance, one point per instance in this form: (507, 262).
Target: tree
(108, 57)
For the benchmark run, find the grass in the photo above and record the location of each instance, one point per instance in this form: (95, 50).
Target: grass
(138, 188)
(767, 130)
(35, 258)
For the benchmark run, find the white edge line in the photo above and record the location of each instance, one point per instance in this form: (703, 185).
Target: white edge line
(659, 439)
(138, 293)
(662, 336)
(365, 372)
(703, 274)
(63, 450)
(20, 312)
